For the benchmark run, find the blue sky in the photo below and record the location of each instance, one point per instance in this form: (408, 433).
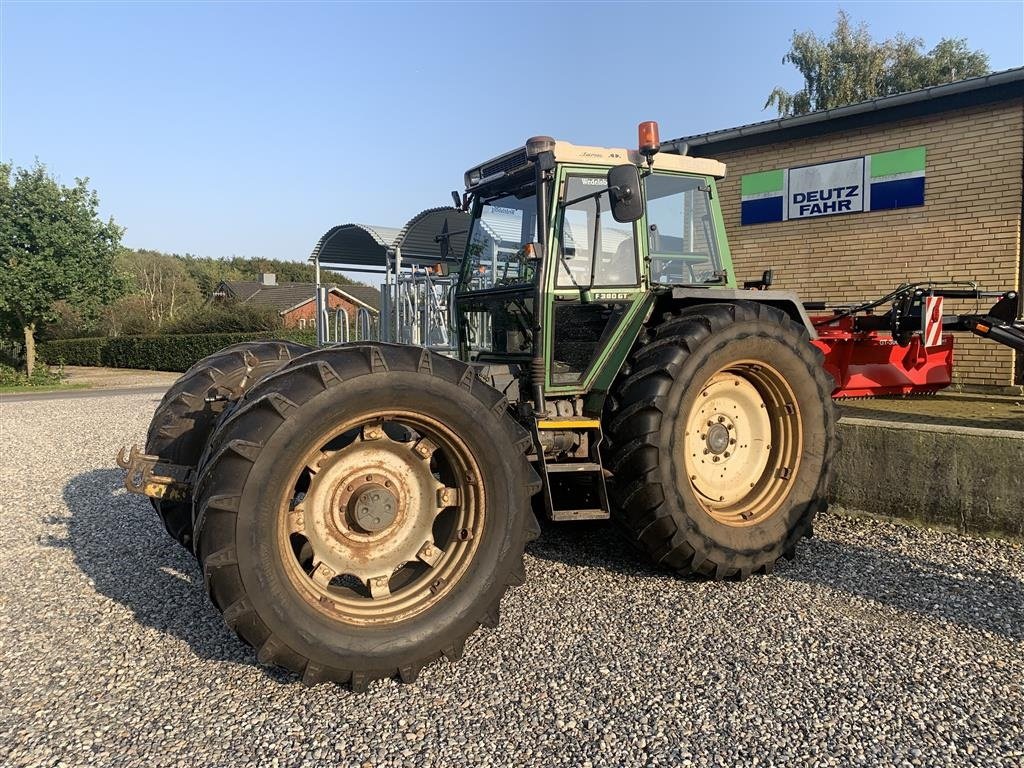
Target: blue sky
(251, 128)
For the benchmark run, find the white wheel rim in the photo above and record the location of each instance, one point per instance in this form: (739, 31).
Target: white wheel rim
(742, 442)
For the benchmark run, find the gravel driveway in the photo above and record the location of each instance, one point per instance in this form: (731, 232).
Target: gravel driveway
(882, 645)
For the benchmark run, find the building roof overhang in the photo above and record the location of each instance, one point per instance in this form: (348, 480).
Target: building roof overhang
(998, 86)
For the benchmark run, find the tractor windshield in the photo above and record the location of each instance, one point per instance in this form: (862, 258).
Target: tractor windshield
(501, 229)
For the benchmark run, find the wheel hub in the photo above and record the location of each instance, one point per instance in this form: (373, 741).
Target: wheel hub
(370, 508)
(373, 508)
(383, 519)
(717, 438)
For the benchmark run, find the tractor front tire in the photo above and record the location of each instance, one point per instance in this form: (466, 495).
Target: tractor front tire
(722, 435)
(362, 511)
(186, 416)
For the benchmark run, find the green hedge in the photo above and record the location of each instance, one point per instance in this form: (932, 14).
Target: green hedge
(72, 351)
(158, 353)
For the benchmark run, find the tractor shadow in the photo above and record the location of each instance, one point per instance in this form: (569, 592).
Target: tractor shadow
(974, 597)
(118, 541)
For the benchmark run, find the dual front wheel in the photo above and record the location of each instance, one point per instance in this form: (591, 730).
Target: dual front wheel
(363, 510)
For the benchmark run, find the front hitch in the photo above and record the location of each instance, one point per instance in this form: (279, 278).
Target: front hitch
(152, 476)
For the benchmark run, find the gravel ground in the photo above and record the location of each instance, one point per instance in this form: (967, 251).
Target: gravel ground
(881, 645)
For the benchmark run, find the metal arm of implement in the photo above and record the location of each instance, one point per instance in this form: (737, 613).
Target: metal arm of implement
(901, 351)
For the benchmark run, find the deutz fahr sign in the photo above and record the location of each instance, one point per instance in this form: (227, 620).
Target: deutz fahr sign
(821, 190)
(870, 183)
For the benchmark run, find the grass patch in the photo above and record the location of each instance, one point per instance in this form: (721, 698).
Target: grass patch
(43, 377)
(9, 389)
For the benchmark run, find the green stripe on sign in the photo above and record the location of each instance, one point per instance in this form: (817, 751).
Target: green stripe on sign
(897, 161)
(759, 183)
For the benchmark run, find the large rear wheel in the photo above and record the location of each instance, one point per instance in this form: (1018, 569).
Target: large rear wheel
(362, 511)
(722, 433)
(189, 410)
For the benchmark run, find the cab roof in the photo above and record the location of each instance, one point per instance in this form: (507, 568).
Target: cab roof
(516, 161)
(663, 161)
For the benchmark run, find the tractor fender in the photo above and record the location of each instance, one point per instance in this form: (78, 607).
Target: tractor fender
(786, 301)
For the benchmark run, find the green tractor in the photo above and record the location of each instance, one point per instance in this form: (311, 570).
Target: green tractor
(359, 510)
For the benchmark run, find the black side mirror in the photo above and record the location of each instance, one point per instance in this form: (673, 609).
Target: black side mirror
(624, 193)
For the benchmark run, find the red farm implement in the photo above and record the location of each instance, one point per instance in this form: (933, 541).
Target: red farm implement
(908, 349)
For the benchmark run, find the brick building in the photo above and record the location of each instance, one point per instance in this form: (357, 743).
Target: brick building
(941, 198)
(296, 302)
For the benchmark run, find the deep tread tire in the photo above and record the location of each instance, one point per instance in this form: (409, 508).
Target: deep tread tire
(184, 420)
(244, 473)
(656, 507)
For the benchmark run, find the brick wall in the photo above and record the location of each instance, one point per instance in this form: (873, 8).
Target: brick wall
(968, 229)
(307, 312)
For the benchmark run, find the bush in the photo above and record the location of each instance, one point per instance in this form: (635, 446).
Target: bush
(67, 322)
(227, 318)
(129, 315)
(42, 376)
(158, 353)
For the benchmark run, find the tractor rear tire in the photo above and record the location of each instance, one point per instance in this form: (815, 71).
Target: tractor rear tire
(362, 511)
(186, 416)
(722, 435)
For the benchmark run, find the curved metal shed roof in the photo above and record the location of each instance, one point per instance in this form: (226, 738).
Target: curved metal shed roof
(420, 237)
(363, 245)
(367, 245)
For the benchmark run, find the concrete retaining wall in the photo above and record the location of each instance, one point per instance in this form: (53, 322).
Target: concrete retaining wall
(972, 479)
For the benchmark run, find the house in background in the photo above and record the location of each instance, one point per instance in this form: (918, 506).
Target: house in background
(296, 302)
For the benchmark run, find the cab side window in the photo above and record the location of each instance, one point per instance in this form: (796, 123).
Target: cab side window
(680, 230)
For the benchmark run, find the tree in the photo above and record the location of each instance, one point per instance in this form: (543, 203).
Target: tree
(162, 282)
(851, 67)
(53, 247)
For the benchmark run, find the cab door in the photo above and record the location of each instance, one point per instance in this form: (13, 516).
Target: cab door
(586, 315)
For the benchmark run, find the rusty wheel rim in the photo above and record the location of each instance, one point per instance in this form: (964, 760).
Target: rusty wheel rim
(381, 518)
(742, 441)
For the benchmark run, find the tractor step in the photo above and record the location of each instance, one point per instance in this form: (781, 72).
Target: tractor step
(567, 515)
(574, 485)
(576, 466)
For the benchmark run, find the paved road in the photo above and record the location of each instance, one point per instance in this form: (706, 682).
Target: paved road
(881, 645)
(77, 394)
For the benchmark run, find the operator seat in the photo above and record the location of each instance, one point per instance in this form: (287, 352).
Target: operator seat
(618, 268)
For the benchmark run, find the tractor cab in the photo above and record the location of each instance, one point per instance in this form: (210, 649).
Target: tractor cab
(569, 247)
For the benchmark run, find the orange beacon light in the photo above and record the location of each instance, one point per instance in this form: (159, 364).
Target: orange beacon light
(650, 142)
